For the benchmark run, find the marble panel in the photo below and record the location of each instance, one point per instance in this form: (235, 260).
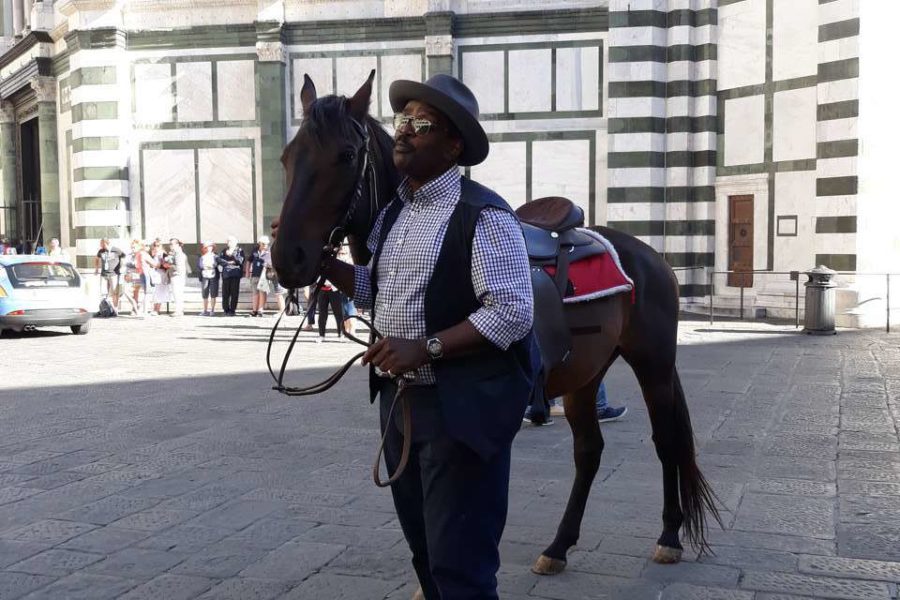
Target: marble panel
(530, 80)
(193, 89)
(794, 126)
(320, 70)
(170, 201)
(236, 93)
(226, 193)
(795, 38)
(504, 171)
(483, 73)
(742, 44)
(394, 67)
(561, 168)
(744, 123)
(153, 98)
(351, 72)
(795, 194)
(577, 78)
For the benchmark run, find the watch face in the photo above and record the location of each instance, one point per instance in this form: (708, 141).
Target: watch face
(435, 347)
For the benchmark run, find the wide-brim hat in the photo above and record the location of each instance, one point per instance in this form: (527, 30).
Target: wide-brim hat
(455, 101)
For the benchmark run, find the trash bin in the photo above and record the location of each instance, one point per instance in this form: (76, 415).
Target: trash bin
(820, 301)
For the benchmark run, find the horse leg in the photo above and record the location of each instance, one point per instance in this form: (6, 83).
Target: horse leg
(685, 492)
(581, 412)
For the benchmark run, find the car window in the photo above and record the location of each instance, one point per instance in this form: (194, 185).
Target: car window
(42, 274)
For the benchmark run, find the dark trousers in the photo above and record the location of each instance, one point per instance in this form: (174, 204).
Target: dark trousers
(330, 298)
(230, 290)
(451, 504)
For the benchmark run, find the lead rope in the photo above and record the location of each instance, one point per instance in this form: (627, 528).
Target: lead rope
(326, 384)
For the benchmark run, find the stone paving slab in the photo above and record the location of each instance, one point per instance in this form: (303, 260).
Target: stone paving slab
(146, 475)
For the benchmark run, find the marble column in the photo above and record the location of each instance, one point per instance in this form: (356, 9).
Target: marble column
(18, 15)
(26, 10)
(45, 89)
(439, 42)
(270, 86)
(8, 224)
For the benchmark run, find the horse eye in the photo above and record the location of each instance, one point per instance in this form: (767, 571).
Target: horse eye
(347, 156)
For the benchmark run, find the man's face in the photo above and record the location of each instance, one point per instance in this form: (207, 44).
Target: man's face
(103, 244)
(426, 156)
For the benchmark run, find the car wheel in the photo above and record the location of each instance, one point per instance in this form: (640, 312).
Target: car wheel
(81, 329)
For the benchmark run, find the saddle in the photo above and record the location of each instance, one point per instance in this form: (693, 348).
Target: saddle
(552, 239)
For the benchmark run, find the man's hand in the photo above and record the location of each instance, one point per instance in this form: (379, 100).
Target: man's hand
(396, 356)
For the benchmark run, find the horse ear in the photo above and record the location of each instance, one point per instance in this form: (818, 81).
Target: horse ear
(359, 103)
(307, 94)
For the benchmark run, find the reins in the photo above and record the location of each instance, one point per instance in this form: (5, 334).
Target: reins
(335, 238)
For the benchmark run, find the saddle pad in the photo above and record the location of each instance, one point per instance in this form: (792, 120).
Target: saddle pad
(596, 276)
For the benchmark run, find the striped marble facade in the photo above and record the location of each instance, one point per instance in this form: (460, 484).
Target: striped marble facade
(662, 130)
(95, 93)
(837, 144)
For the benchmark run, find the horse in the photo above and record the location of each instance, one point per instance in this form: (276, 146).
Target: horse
(340, 174)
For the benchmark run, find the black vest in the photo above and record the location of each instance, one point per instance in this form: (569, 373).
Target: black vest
(483, 396)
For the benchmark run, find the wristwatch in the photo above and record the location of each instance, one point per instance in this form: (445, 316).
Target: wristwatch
(435, 348)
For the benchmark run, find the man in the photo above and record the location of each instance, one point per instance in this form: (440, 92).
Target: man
(177, 274)
(56, 251)
(108, 264)
(462, 339)
(231, 263)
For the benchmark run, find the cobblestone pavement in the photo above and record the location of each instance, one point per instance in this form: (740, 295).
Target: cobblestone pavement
(150, 459)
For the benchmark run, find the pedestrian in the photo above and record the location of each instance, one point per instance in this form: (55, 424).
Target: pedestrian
(468, 351)
(161, 289)
(108, 264)
(259, 282)
(348, 309)
(605, 412)
(310, 308)
(329, 296)
(150, 276)
(209, 278)
(56, 251)
(231, 264)
(274, 285)
(127, 277)
(178, 273)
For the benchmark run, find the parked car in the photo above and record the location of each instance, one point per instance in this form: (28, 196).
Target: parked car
(39, 291)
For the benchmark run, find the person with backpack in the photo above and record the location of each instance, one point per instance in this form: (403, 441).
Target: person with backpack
(231, 266)
(108, 264)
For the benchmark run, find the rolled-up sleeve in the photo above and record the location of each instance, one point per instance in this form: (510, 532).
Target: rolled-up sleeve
(501, 278)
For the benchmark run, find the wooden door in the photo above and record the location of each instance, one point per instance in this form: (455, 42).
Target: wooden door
(740, 240)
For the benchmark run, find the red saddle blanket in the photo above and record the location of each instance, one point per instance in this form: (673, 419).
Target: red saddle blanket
(596, 276)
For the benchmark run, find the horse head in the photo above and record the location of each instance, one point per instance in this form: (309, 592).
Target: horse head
(339, 174)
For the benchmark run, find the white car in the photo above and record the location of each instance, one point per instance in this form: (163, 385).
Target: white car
(40, 291)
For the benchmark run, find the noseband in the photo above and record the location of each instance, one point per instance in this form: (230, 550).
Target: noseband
(365, 173)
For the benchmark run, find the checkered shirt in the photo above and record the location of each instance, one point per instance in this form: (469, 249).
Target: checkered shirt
(500, 272)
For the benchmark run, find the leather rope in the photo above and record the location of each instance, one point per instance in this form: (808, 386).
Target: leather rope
(335, 239)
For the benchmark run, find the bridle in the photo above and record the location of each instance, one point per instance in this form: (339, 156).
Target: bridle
(365, 174)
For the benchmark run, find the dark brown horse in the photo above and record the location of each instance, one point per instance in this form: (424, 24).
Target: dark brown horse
(340, 173)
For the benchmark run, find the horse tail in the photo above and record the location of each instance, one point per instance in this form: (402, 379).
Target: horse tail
(697, 496)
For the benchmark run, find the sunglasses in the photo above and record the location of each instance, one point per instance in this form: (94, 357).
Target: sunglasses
(420, 126)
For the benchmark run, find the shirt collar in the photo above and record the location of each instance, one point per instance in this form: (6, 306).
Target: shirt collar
(447, 185)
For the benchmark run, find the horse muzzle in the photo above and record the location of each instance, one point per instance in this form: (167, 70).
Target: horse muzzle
(297, 262)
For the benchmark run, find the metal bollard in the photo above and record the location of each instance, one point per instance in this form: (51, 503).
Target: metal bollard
(820, 301)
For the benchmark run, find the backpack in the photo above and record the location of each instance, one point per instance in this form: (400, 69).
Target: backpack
(106, 309)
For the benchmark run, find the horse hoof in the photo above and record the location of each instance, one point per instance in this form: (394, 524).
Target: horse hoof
(665, 555)
(548, 566)
(418, 595)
